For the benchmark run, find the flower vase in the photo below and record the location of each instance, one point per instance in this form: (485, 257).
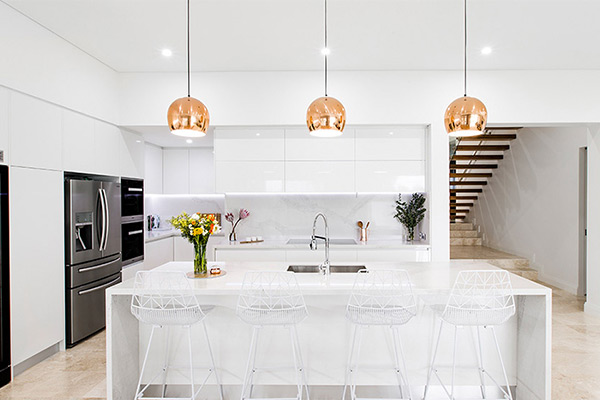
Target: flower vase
(200, 261)
(232, 236)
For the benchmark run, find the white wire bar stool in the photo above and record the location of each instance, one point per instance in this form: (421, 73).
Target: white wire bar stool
(380, 298)
(163, 300)
(272, 299)
(479, 298)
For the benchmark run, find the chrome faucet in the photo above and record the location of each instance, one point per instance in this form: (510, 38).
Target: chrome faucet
(324, 268)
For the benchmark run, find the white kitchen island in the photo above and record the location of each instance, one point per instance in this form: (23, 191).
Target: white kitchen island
(325, 338)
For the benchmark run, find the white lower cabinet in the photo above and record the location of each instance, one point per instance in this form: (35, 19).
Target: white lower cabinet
(158, 252)
(182, 249)
(318, 256)
(37, 265)
(392, 255)
(249, 255)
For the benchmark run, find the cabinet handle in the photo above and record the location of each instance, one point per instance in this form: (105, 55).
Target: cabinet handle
(134, 189)
(136, 232)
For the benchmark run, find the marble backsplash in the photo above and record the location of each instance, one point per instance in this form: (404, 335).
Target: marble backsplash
(280, 216)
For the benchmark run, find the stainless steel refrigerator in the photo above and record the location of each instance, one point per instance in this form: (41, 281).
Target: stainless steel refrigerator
(93, 250)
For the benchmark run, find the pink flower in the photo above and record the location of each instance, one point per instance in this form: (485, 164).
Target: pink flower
(229, 217)
(244, 213)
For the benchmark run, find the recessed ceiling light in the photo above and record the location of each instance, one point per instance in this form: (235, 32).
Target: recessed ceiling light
(258, 134)
(138, 141)
(189, 141)
(167, 52)
(391, 133)
(325, 51)
(486, 50)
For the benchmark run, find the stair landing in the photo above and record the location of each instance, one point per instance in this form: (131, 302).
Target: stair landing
(510, 262)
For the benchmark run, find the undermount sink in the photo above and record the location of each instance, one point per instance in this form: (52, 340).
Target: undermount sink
(331, 241)
(335, 269)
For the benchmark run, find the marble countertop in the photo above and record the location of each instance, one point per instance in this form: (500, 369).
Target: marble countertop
(428, 278)
(282, 244)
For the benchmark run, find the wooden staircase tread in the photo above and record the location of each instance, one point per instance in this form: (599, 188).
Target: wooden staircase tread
(471, 190)
(478, 157)
(490, 137)
(468, 183)
(471, 175)
(473, 166)
(482, 147)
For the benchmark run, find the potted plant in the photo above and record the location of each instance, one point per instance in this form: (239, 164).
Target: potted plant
(410, 214)
(197, 228)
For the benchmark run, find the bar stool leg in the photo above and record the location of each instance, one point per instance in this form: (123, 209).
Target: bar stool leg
(189, 332)
(402, 376)
(432, 369)
(299, 353)
(508, 392)
(166, 363)
(250, 364)
(354, 365)
(212, 360)
(453, 362)
(349, 363)
(480, 361)
(297, 367)
(138, 391)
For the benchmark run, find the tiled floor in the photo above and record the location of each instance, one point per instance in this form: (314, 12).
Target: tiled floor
(79, 373)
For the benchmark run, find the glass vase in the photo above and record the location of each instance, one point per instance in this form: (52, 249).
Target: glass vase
(200, 261)
(410, 234)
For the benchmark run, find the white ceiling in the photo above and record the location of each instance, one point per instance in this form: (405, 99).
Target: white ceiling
(261, 35)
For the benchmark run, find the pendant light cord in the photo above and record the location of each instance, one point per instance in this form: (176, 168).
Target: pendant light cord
(326, 48)
(465, 48)
(188, 46)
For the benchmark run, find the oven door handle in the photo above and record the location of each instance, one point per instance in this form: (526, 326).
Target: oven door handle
(134, 189)
(97, 266)
(99, 287)
(135, 232)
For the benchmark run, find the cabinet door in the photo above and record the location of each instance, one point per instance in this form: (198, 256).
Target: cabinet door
(131, 155)
(319, 176)
(176, 178)
(107, 139)
(249, 255)
(153, 169)
(37, 246)
(182, 249)
(78, 142)
(402, 143)
(32, 146)
(390, 176)
(249, 176)
(392, 255)
(301, 146)
(249, 144)
(202, 170)
(158, 253)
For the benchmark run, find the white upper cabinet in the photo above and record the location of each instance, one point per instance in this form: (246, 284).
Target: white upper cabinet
(78, 142)
(176, 172)
(131, 155)
(107, 139)
(301, 146)
(249, 144)
(153, 169)
(202, 170)
(4, 124)
(390, 176)
(249, 176)
(399, 143)
(319, 176)
(35, 129)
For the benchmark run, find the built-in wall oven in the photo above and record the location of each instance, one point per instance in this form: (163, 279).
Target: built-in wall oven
(132, 220)
(92, 250)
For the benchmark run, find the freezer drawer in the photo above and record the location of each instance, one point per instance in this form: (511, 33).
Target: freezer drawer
(86, 308)
(84, 273)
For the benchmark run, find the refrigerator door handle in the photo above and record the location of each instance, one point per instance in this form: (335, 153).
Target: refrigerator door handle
(103, 207)
(106, 218)
(100, 287)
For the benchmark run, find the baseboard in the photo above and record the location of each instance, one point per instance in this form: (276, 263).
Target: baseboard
(36, 359)
(556, 282)
(591, 309)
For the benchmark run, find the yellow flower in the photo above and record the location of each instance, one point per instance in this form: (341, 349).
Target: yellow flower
(198, 231)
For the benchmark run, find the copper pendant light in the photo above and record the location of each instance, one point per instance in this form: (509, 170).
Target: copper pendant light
(465, 116)
(188, 116)
(326, 116)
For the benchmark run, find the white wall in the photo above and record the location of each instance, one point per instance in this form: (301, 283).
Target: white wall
(530, 206)
(37, 62)
(592, 303)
